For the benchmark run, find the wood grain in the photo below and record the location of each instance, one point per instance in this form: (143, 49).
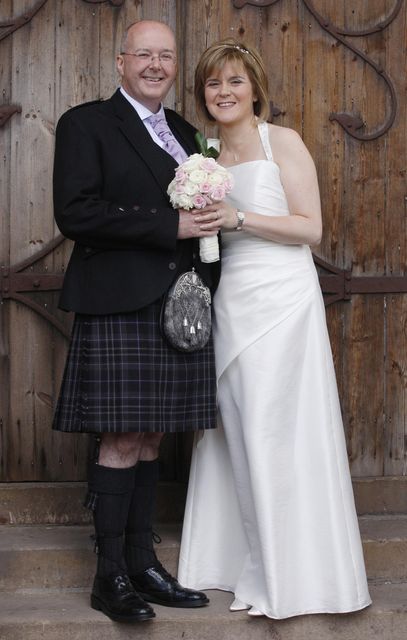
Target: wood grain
(5, 188)
(66, 55)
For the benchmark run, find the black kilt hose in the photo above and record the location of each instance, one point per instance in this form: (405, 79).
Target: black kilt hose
(121, 376)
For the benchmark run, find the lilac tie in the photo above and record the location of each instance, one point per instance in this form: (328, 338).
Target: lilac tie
(171, 144)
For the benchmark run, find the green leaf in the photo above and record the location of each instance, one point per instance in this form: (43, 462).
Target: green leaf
(201, 143)
(212, 153)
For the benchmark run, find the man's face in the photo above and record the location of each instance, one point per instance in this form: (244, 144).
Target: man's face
(148, 75)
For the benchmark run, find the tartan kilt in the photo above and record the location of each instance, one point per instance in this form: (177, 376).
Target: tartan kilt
(122, 376)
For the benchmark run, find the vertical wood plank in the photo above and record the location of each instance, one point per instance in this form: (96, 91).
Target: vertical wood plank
(396, 261)
(282, 50)
(323, 93)
(31, 227)
(395, 458)
(364, 384)
(77, 80)
(364, 202)
(5, 187)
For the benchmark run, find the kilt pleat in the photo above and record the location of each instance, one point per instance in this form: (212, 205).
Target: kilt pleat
(122, 376)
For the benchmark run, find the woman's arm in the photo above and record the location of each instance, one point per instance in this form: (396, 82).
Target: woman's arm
(300, 183)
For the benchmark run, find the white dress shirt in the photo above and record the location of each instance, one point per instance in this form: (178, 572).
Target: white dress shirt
(145, 113)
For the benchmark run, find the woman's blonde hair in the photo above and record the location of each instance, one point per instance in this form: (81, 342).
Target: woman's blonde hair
(215, 57)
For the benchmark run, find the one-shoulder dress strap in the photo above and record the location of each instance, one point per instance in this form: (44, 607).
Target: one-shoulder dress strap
(264, 137)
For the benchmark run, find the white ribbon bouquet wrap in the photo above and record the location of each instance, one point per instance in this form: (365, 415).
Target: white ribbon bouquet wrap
(200, 181)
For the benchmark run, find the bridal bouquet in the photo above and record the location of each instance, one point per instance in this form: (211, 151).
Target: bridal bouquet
(199, 181)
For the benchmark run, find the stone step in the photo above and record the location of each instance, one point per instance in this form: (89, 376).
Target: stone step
(60, 557)
(68, 616)
(62, 502)
(385, 546)
(25, 503)
(381, 495)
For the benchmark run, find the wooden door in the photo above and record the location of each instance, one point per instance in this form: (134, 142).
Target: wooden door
(337, 76)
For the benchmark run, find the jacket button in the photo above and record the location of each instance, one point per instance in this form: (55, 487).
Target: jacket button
(172, 266)
(136, 207)
(194, 256)
(88, 250)
(153, 210)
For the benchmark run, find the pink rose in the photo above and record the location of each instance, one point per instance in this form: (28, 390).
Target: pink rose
(218, 193)
(228, 184)
(180, 176)
(205, 187)
(209, 164)
(199, 201)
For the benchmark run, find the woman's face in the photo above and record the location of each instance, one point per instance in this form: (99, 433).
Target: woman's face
(229, 94)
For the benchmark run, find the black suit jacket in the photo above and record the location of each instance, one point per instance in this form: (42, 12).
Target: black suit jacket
(110, 197)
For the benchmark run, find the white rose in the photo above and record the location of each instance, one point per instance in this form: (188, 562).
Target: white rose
(193, 162)
(182, 201)
(215, 178)
(190, 188)
(171, 186)
(197, 176)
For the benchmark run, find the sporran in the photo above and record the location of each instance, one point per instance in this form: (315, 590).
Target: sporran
(186, 313)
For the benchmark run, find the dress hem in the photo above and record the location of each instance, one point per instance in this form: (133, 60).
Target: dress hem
(355, 609)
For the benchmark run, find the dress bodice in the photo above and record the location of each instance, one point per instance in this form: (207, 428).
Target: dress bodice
(272, 278)
(257, 188)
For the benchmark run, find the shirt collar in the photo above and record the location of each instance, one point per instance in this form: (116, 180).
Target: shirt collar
(142, 111)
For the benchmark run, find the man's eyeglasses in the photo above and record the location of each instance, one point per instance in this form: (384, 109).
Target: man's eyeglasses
(165, 57)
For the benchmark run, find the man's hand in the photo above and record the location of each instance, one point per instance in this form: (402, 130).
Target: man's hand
(189, 228)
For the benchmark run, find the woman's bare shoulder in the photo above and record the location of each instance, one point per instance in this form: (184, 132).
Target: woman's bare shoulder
(284, 135)
(286, 143)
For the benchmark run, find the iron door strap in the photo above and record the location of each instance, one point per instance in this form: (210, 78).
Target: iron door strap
(340, 284)
(336, 284)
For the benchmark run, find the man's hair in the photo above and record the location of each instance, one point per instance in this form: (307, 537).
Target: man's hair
(123, 42)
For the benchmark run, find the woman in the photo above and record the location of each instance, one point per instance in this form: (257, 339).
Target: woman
(270, 513)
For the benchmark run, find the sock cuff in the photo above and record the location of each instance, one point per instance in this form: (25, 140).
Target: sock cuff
(110, 480)
(147, 473)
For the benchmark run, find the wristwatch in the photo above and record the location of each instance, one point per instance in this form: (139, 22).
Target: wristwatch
(240, 220)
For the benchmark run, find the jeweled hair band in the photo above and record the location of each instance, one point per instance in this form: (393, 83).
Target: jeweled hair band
(239, 48)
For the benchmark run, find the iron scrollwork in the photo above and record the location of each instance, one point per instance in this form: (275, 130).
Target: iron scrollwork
(350, 123)
(114, 3)
(8, 27)
(15, 281)
(8, 110)
(257, 3)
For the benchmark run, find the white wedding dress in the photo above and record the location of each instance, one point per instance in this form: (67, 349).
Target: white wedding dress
(270, 513)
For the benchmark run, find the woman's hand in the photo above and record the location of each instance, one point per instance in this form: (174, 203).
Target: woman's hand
(216, 215)
(190, 227)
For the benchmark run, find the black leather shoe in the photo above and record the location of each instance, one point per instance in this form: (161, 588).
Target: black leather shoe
(116, 597)
(155, 584)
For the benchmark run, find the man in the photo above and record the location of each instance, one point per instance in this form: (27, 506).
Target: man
(122, 381)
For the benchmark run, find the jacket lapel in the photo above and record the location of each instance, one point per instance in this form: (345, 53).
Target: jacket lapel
(160, 163)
